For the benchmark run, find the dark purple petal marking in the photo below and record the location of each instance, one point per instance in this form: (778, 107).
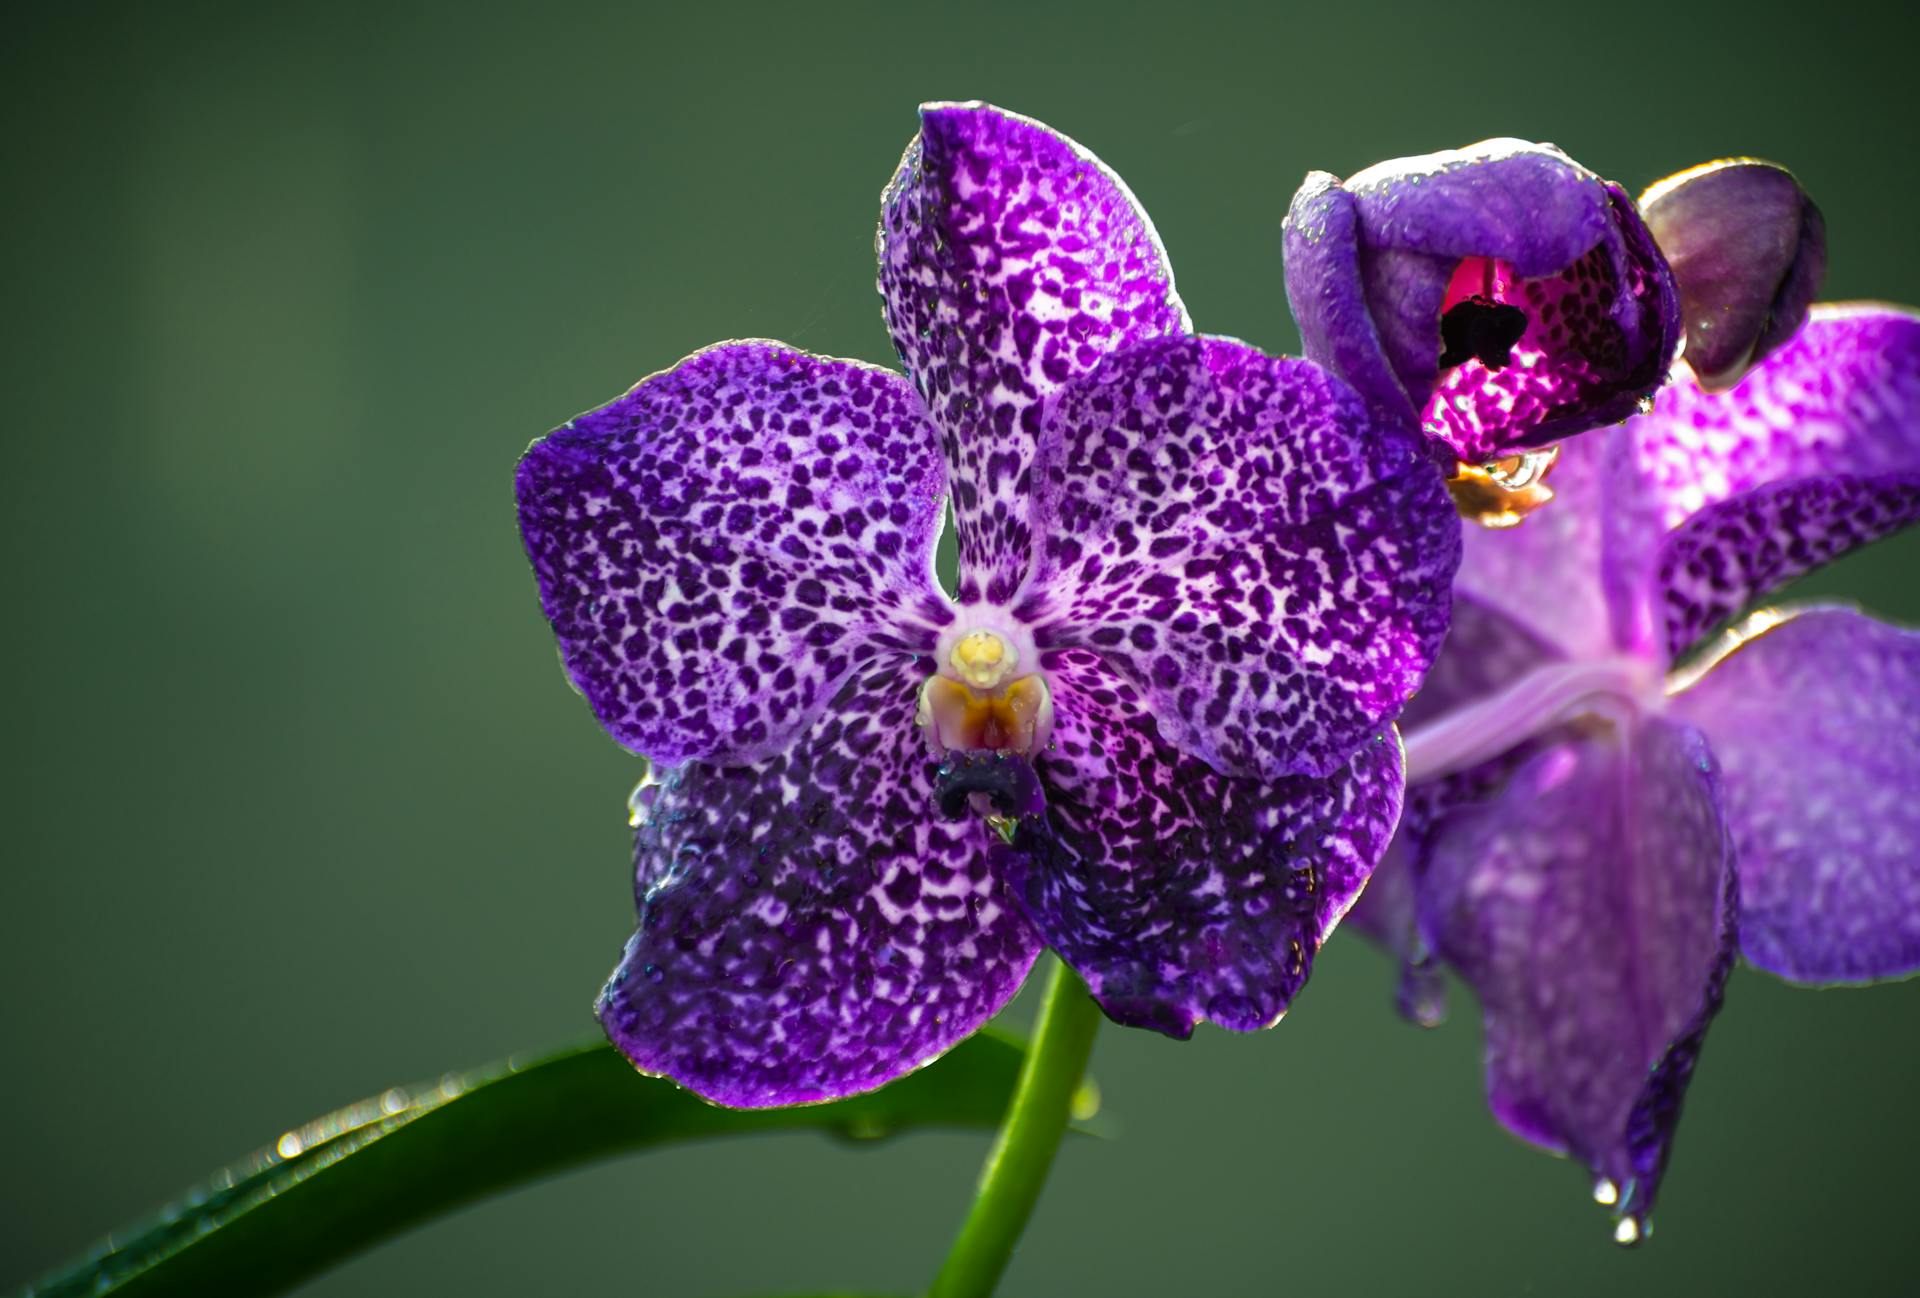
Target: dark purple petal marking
(1590, 905)
(1388, 913)
(1405, 282)
(1748, 249)
(1263, 558)
(809, 928)
(719, 547)
(1011, 260)
(1179, 893)
(1816, 451)
(1815, 721)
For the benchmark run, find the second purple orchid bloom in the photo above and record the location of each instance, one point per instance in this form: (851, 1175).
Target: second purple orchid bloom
(1197, 584)
(1606, 803)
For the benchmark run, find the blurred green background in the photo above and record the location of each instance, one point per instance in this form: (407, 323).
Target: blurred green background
(298, 804)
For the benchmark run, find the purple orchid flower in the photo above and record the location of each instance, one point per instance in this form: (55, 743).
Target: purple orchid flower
(1197, 584)
(1595, 780)
(1500, 296)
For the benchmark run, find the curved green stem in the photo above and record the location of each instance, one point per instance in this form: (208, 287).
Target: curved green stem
(1036, 1118)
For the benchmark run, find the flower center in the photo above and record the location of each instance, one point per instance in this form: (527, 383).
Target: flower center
(983, 659)
(1502, 492)
(978, 702)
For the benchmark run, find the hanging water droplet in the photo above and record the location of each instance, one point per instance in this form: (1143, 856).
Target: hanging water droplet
(1422, 994)
(1644, 405)
(1626, 1232)
(1605, 1193)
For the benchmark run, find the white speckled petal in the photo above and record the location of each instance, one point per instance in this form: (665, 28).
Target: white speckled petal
(1011, 260)
(721, 546)
(1179, 893)
(1265, 560)
(810, 926)
(1725, 496)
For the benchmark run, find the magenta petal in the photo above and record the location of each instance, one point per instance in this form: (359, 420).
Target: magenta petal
(1829, 419)
(719, 547)
(1590, 906)
(1248, 545)
(810, 927)
(1843, 396)
(1179, 893)
(1011, 260)
(1816, 723)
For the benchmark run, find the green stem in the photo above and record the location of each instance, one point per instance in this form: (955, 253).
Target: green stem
(1036, 1118)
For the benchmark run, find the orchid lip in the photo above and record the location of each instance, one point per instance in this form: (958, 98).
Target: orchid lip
(1016, 717)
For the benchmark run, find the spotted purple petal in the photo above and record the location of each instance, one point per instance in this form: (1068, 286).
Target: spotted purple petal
(1815, 452)
(1723, 558)
(1011, 260)
(721, 546)
(1238, 536)
(1590, 906)
(809, 928)
(1501, 294)
(1179, 893)
(1815, 719)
